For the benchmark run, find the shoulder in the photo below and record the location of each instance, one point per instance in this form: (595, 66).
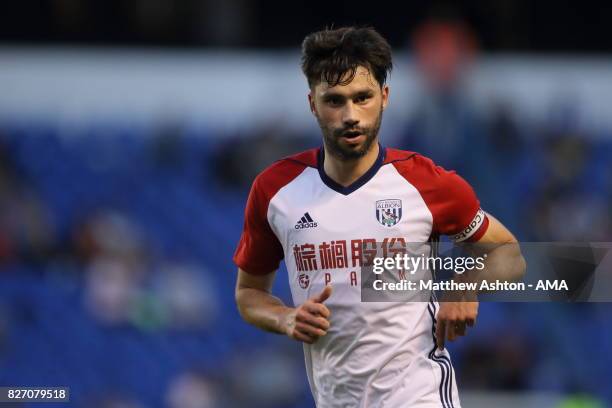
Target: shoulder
(283, 171)
(451, 200)
(419, 170)
(393, 156)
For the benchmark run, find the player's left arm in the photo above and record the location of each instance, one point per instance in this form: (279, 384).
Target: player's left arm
(501, 252)
(502, 261)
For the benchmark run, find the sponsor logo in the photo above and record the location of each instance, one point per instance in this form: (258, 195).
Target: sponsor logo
(389, 212)
(471, 228)
(304, 280)
(305, 222)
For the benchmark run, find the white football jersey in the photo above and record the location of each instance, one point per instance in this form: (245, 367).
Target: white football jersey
(375, 354)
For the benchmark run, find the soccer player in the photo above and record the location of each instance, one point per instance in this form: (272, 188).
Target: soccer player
(324, 210)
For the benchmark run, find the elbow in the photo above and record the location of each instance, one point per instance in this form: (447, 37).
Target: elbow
(520, 267)
(245, 305)
(518, 262)
(240, 303)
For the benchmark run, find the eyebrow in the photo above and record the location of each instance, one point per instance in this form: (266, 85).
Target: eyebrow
(361, 92)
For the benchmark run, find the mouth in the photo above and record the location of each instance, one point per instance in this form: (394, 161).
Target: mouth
(352, 137)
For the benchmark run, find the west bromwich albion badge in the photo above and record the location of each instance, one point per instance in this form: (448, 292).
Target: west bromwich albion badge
(389, 212)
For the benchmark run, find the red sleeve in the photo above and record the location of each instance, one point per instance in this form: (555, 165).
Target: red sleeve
(259, 251)
(452, 201)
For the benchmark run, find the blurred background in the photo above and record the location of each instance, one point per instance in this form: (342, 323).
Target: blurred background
(130, 132)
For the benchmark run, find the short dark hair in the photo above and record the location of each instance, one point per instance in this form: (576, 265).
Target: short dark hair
(332, 53)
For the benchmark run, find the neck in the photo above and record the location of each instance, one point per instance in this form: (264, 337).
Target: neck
(346, 172)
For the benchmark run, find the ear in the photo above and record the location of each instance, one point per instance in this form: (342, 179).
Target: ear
(385, 96)
(311, 103)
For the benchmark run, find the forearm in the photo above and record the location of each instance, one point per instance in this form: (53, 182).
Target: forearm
(262, 309)
(504, 263)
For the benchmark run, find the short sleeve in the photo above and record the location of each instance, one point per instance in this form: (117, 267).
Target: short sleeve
(451, 200)
(259, 252)
(458, 213)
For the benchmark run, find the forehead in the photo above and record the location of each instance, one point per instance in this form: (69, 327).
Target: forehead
(363, 80)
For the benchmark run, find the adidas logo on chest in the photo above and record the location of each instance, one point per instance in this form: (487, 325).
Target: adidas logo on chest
(305, 222)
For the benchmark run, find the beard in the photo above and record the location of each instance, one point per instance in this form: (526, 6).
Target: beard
(332, 138)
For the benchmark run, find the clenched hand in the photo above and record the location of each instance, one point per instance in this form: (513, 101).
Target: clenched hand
(309, 321)
(453, 318)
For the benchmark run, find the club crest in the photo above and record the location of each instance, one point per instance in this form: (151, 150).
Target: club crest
(304, 280)
(389, 212)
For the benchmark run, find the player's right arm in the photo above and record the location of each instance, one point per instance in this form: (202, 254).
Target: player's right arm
(260, 308)
(258, 256)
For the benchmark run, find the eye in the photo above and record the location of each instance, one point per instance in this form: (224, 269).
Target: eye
(334, 101)
(362, 98)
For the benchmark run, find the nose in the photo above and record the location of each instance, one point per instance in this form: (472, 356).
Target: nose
(349, 115)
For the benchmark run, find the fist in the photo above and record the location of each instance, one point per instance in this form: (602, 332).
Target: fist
(453, 319)
(309, 321)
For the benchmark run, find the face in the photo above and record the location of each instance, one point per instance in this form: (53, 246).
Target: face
(349, 115)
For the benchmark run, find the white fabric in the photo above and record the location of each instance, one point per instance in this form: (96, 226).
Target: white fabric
(375, 354)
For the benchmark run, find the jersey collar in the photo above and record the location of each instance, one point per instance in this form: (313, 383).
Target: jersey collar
(367, 176)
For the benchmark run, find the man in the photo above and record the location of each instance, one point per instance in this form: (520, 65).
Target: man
(324, 209)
